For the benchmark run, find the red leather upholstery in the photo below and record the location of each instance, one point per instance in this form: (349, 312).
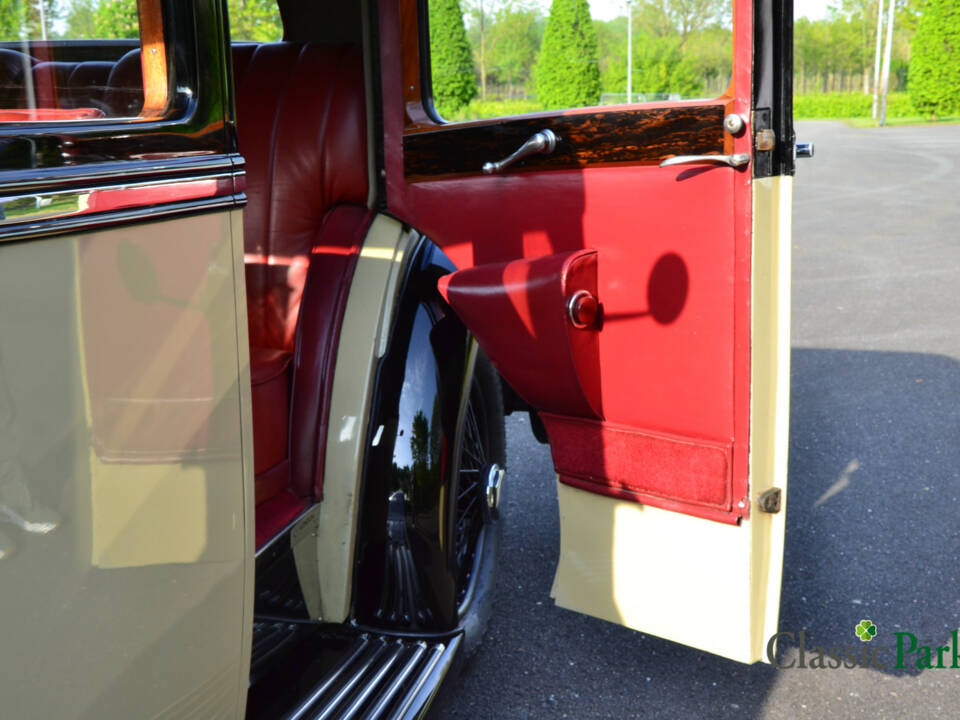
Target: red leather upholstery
(50, 80)
(517, 309)
(303, 134)
(124, 94)
(98, 87)
(13, 65)
(301, 123)
(270, 387)
(88, 85)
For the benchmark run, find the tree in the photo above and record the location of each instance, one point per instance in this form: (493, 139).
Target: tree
(514, 41)
(21, 19)
(670, 17)
(81, 20)
(567, 73)
(255, 20)
(117, 19)
(451, 62)
(935, 59)
(505, 36)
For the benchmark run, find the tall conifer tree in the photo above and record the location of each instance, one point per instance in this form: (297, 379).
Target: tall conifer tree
(567, 72)
(451, 62)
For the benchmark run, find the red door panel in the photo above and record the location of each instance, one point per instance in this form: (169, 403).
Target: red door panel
(672, 247)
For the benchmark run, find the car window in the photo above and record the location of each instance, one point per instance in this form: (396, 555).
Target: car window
(85, 60)
(491, 58)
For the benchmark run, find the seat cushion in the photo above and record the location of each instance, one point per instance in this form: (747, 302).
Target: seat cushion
(270, 390)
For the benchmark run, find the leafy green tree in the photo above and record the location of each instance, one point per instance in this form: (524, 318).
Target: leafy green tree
(935, 59)
(116, 19)
(659, 68)
(513, 43)
(255, 20)
(505, 36)
(81, 20)
(568, 73)
(451, 61)
(21, 19)
(683, 17)
(11, 19)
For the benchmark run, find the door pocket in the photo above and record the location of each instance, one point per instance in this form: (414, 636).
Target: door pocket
(538, 321)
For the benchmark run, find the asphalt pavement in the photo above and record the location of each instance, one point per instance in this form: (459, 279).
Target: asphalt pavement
(873, 529)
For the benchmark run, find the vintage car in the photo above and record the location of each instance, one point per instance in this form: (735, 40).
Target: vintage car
(262, 313)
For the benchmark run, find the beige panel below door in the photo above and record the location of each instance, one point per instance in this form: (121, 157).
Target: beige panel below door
(709, 585)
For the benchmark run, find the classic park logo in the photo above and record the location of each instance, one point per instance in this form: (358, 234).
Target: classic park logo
(909, 652)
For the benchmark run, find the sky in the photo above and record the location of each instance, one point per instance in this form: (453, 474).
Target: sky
(609, 9)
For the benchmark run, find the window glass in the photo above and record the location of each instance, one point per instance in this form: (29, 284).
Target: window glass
(490, 58)
(81, 60)
(255, 20)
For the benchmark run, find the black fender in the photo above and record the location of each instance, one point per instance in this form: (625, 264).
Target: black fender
(404, 577)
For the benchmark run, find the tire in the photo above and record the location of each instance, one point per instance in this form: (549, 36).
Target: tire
(478, 534)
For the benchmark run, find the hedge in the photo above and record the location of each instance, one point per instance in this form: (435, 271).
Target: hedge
(829, 106)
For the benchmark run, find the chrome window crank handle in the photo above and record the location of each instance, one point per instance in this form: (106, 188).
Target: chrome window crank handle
(542, 143)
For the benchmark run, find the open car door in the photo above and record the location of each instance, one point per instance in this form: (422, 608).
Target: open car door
(631, 281)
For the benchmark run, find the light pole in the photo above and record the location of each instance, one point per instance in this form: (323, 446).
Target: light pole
(876, 60)
(629, 51)
(885, 84)
(43, 20)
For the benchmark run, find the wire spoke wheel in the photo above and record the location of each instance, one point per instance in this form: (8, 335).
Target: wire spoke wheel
(470, 515)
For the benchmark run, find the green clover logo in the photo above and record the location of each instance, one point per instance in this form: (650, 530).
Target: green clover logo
(866, 630)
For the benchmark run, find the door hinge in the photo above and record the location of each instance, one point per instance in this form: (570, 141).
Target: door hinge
(769, 501)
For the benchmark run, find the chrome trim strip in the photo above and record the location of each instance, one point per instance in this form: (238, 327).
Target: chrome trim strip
(328, 682)
(427, 684)
(16, 209)
(85, 223)
(285, 532)
(25, 180)
(373, 683)
(390, 693)
(30, 215)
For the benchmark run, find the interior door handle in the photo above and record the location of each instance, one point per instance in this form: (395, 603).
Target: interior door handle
(735, 160)
(542, 143)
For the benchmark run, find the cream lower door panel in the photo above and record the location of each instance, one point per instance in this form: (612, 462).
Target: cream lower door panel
(125, 473)
(712, 586)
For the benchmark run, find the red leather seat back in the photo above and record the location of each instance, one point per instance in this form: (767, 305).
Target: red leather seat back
(13, 69)
(301, 121)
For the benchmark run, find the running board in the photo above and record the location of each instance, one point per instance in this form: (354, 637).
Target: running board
(380, 677)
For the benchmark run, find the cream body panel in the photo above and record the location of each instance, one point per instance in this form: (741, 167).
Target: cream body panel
(363, 339)
(706, 584)
(125, 473)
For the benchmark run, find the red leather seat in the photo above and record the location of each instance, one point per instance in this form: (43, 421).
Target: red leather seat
(302, 129)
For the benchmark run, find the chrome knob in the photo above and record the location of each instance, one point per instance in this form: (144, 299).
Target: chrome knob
(803, 150)
(733, 124)
(582, 309)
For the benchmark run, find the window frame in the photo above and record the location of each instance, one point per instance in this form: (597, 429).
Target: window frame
(33, 150)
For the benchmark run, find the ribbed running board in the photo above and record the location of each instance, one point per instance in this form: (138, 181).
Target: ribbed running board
(380, 677)
(269, 640)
